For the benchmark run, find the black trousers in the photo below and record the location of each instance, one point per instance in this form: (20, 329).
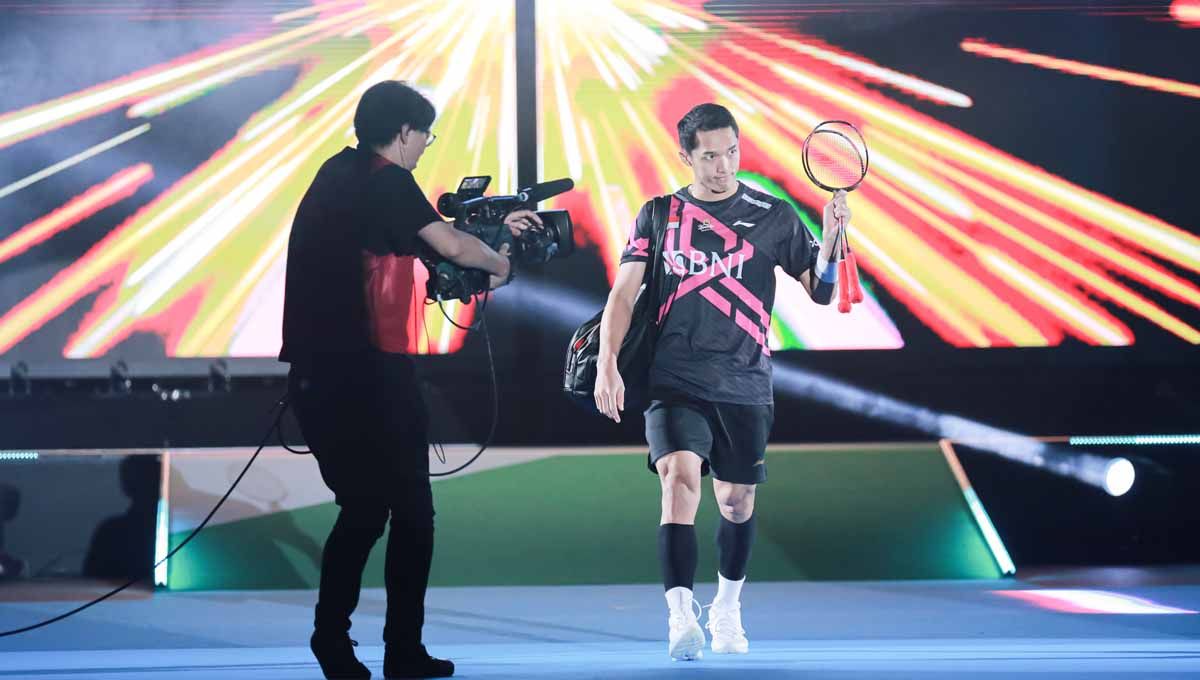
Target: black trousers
(366, 423)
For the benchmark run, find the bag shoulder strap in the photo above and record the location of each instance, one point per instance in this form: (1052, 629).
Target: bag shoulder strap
(656, 281)
(660, 214)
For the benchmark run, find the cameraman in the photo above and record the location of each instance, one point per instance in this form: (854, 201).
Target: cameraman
(348, 303)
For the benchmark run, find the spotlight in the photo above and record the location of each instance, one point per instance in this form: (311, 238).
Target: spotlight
(1113, 475)
(1118, 477)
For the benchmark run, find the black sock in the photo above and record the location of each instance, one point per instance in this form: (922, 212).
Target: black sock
(678, 554)
(733, 547)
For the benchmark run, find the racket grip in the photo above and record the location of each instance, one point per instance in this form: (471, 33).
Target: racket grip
(855, 286)
(843, 287)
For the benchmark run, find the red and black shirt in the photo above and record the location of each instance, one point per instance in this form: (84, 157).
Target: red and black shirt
(351, 258)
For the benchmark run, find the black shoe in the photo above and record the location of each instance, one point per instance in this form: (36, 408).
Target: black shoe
(335, 653)
(415, 664)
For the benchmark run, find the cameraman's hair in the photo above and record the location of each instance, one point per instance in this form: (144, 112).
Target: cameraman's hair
(385, 107)
(704, 117)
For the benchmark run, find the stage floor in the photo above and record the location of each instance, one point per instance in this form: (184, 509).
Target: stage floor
(894, 629)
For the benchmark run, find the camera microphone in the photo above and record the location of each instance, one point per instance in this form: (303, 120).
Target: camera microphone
(543, 190)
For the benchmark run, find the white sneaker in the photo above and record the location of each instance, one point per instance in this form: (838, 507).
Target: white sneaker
(685, 638)
(725, 624)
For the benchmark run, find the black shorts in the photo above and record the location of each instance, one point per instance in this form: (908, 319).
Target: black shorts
(731, 438)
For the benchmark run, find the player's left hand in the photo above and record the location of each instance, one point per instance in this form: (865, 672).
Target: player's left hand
(519, 221)
(834, 220)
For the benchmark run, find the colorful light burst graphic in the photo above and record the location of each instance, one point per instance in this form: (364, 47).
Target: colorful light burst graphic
(1186, 12)
(983, 48)
(983, 248)
(965, 238)
(202, 264)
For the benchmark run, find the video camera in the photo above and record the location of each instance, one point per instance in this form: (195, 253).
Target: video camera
(483, 217)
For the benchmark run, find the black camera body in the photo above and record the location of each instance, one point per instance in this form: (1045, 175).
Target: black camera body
(483, 217)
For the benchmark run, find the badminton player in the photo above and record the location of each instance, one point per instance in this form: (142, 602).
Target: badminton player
(711, 405)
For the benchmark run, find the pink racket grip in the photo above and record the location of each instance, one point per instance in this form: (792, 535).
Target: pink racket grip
(844, 287)
(856, 292)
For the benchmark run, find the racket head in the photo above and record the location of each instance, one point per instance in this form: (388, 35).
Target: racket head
(835, 156)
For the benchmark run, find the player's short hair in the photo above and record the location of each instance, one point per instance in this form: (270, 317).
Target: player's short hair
(704, 117)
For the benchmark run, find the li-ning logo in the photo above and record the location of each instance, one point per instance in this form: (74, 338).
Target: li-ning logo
(714, 265)
(740, 223)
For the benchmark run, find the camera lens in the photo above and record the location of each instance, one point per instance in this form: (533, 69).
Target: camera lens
(558, 226)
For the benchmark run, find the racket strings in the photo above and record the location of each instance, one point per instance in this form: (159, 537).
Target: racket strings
(833, 161)
(835, 156)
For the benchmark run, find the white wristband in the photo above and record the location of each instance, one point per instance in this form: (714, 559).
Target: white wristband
(823, 270)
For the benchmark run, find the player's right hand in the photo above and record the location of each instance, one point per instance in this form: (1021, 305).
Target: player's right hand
(610, 390)
(835, 218)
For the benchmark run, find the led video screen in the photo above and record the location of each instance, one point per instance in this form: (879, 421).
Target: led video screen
(146, 205)
(1028, 186)
(1028, 162)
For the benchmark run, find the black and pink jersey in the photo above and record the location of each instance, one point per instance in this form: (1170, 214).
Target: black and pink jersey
(722, 255)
